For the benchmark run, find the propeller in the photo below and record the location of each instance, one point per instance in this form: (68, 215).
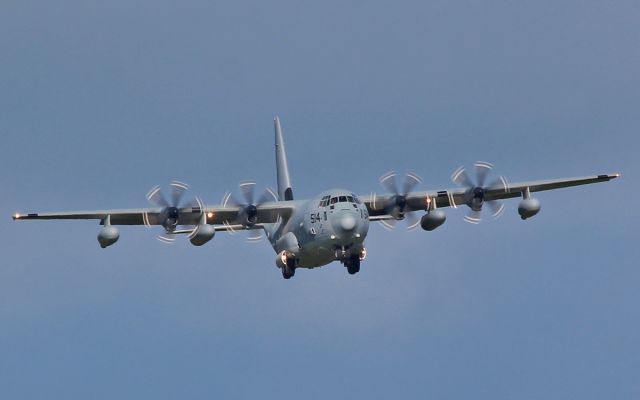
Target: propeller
(474, 196)
(397, 205)
(172, 210)
(248, 215)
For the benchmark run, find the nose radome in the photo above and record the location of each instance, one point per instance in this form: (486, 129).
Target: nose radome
(347, 222)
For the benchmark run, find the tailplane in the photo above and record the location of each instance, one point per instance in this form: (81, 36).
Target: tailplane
(285, 191)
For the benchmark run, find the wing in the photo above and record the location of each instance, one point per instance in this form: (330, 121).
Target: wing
(455, 197)
(216, 215)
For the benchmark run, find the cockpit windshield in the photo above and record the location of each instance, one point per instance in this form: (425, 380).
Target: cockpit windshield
(342, 199)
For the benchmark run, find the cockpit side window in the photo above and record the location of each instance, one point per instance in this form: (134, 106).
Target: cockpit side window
(356, 199)
(343, 199)
(334, 200)
(350, 199)
(325, 201)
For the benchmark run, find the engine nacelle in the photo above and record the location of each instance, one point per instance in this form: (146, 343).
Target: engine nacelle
(203, 233)
(528, 207)
(108, 235)
(433, 219)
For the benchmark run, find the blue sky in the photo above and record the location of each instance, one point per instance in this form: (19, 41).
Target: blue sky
(100, 101)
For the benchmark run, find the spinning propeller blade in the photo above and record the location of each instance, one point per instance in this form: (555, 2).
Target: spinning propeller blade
(475, 191)
(247, 217)
(169, 217)
(396, 205)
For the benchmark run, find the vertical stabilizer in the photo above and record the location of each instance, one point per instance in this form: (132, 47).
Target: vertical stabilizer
(284, 181)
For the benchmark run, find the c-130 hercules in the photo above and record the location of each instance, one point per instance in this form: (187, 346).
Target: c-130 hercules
(330, 227)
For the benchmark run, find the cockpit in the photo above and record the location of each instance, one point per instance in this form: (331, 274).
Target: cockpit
(329, 200)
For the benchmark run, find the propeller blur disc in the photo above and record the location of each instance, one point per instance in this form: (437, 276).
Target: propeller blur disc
(397, 205)
(172, 211)
(476, 191)
(248, 209)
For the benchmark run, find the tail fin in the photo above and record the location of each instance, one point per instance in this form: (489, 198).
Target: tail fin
(284, 181)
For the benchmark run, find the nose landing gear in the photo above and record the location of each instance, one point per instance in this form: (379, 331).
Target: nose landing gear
(352, 264)
(351, 260)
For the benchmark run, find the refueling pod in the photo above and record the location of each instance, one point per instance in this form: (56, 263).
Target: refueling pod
(433, 219)
(108, 235)
(528, 208)
(202, 234)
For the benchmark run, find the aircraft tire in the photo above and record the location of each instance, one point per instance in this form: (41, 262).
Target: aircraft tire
(289, 270)
(353, 266)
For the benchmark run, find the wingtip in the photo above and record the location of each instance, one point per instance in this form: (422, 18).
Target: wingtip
(23, 216)
(608, 177)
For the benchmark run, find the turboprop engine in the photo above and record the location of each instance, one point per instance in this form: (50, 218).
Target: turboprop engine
(175, 213)
(433, 219)
(476, 191)
(249, 207)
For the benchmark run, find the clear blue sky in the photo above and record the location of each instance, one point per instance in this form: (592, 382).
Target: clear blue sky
(100, 101)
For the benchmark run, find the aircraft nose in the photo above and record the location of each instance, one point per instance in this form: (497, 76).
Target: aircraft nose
(347, 223)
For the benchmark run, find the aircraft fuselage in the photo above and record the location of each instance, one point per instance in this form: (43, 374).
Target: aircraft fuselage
(330, 227)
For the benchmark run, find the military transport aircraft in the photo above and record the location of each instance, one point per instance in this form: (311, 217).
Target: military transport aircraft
(330, 227)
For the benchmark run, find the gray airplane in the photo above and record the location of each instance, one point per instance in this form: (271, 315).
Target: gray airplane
(330, 227)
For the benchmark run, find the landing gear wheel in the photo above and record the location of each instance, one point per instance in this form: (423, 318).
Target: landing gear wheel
(353, 265)
(289, 269)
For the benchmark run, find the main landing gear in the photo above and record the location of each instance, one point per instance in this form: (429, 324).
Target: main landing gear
(289, 269)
